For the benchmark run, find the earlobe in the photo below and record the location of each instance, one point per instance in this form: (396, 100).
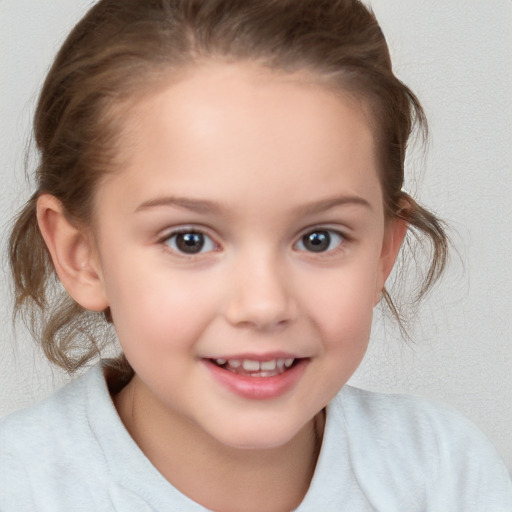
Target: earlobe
(72, 254)
(393, 238)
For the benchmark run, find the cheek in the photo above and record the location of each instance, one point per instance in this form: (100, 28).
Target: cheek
(346, 329)
(344, 325)
(344, 304)
(157, 310)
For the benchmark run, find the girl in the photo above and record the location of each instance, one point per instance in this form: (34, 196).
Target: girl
(221, 182)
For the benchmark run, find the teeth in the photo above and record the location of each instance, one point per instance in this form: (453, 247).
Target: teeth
(250, 366)
(263, 368)
(268, 365)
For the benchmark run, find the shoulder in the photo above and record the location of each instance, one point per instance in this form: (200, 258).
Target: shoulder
(395, 415)
(47, 446)
(409, 424)
(430, 445)
(51, 419)
(71, 452)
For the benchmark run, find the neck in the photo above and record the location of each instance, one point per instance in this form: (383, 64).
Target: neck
(214, 475)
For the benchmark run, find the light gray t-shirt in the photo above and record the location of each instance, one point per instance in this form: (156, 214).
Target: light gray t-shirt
(386, 453)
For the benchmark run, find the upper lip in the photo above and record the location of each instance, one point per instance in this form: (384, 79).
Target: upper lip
(257, 357)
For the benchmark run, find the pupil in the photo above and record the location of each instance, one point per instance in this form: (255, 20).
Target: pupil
(190, 243)
(318, 241)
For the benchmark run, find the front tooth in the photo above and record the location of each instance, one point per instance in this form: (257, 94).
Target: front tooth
(268, 365)
(280, 363)
(288, 362)
(234, 363)
(250, 366)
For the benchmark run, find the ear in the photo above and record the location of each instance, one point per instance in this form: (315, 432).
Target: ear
(394, 234)
(73, 255)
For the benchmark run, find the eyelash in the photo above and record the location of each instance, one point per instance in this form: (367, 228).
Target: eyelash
(196, 235)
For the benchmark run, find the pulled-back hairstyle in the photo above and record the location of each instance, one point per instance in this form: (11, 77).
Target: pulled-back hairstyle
(123, 49)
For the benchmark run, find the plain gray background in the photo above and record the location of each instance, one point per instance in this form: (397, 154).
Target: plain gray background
(456, 55)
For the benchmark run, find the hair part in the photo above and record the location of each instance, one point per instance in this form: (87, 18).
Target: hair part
(124, 49)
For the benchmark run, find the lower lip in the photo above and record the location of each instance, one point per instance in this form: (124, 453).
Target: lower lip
(258, 388)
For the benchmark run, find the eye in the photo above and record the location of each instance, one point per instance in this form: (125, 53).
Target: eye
(190, 242)
(320, 240)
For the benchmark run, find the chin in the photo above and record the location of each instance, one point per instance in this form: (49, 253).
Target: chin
(256, 444)
(257, 436)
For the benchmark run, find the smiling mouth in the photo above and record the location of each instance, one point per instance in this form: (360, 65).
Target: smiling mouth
(253, 368)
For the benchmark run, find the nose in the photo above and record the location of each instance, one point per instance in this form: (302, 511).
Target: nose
(261, 294)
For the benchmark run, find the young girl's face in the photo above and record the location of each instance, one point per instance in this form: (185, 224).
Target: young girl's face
(242, 249)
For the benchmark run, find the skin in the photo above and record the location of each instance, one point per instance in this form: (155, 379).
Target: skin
(254, 159)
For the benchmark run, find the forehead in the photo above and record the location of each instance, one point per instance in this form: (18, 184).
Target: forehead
(236, 130)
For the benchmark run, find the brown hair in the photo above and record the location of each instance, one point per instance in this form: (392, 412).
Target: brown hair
(124, 48)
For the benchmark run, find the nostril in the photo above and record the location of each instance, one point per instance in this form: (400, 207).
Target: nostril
(261, 315)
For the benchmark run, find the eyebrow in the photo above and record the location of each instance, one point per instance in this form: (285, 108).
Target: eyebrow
(205, 206)
(332, 202)
(196, 205)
